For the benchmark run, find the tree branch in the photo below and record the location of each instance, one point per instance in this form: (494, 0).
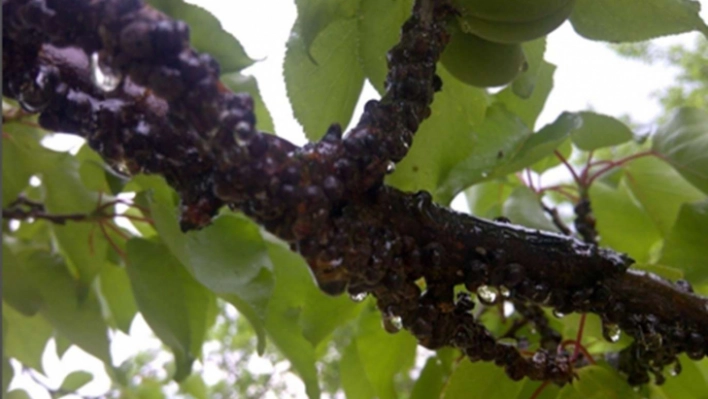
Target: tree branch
(171, 116)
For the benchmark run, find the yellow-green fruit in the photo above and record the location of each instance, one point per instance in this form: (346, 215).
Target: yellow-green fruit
(516, 32)
(481, 63)
(510, 10)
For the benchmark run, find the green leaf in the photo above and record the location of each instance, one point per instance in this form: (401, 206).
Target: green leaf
(236, 244)
(74, 313)
(683, 143)
(486, 380)
(26, 337)
(685, 247)
(528, 109)
(75, 380)
(8, 373)
(230, 258)
(195, 387)
(486, 199)
(18, 288)
(314, 16)
(293, 282)
(524, 85)
(431, 380)
(488, 147)
(326, 92)
(17, 167)
(691, 383)
(339, 310)
(598, 382)
(17, 394)
(114, 286)
(565, 148)
(595, 131)
(82, 243)
(206, 34)
(243, 83)
(660, 190)
(353, 376)
(383, 355)
(635, 20)
(541, 144)
(524, 207)
(453, 133)
(550, 391)
(379, 29)
(174, 305)
(619, 216)
(62, 343)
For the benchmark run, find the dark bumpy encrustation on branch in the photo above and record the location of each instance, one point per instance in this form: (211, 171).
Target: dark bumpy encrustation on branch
(171, 116)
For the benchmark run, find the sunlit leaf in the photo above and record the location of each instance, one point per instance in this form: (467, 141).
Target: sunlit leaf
(326, 92)
(18, 288)
(634, 20)
(540, 145)
(683, 143)
(618, 217)
(595, 131)
(487, 148)
(7, 374)
(379, 29)
(26, 337)
(528, 109)
(174, 305)
(486, 380)
(598, 382)
(486, 199)
(383, 355)
(446, 141)
(660, 190)
(431, 380)
(17, 394)
(524, 85)
(524, 207)
(195, 386)
(116, 292)
(75, 380)
(314, 16)
(692, 382)
(74, 314)
(685, 247)
(353, 376)
(293, 281)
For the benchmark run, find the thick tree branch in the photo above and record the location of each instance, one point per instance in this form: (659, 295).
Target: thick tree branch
(171, 116)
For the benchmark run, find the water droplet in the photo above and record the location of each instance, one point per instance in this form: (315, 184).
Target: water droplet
(611, 332)
(487, 295)
(103, 78)
(558, 314)
(359, 297)
(390, 167)
(504, 291)
(392, 323)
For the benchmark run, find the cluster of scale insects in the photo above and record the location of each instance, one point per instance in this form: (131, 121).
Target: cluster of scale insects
(161, 109)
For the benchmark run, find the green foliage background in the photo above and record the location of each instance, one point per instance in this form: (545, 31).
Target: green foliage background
(77, 282)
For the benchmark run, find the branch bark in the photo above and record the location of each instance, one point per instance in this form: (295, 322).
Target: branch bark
(171, 116)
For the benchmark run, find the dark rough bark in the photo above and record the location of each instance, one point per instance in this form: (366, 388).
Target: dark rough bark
(171, 116)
